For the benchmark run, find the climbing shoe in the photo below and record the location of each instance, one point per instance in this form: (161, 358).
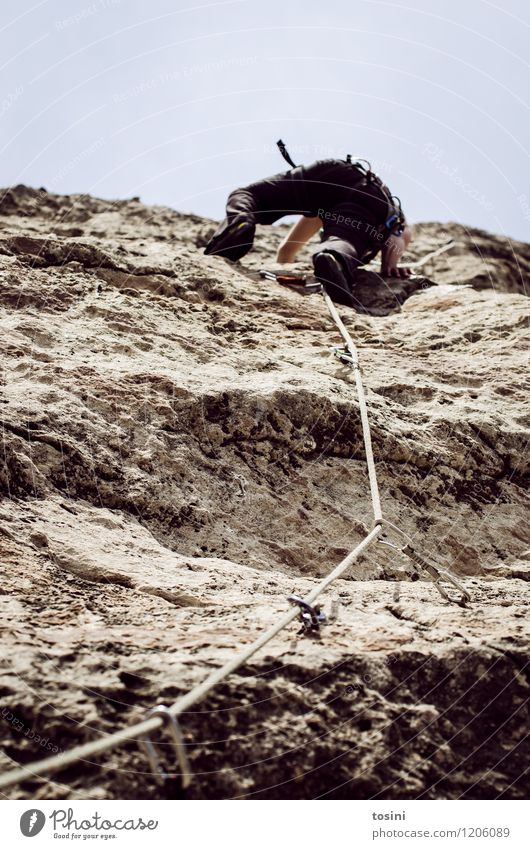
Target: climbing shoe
(233, 240)
(329, 271)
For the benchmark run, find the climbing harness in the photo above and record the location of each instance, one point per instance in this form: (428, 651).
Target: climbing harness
(311, 617)
(395, 220)
(375, 189)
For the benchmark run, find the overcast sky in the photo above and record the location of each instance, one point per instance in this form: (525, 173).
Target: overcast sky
(179, 102)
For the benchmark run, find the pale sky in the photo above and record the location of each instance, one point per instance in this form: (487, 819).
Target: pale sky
(180, 102)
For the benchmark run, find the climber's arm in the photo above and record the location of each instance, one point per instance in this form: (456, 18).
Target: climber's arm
(298, 235)
(393, 249)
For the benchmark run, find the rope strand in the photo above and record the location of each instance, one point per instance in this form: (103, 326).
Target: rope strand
(80, 753)
(352, 350)
(60, 761)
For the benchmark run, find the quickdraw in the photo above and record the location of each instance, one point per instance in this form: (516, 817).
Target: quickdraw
(436, 574)
(311, 616)
(343, 353)
(300, 282)
(153, 757)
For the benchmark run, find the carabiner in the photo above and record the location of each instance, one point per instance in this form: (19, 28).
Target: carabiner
(437, 575)
(152, 752)
(311, 617)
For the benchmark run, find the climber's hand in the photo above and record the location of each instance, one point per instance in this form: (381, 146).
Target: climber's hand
(392, 251)
(396, 271)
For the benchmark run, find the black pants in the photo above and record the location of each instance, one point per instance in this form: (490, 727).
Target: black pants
(322, 190)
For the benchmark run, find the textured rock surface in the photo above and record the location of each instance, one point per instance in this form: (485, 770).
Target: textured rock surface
(181, 451)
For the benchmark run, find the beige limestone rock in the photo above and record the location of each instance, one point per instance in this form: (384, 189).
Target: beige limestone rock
(180, 451)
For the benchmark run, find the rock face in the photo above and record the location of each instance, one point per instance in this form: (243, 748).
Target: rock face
(181, 451)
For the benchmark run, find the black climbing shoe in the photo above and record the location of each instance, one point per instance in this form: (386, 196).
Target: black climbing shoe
(232, 241)
(329, 271)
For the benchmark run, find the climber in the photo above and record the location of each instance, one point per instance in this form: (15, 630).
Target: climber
(358, 216)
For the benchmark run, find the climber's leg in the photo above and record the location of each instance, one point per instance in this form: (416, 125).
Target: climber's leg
(235, 235)
(335, 262)
(263, 202)
(341, 251)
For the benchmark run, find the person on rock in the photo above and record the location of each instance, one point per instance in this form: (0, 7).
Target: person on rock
(356, 212)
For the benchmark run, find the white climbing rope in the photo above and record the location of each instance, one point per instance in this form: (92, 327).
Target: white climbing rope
(441, 250)
(147, 726)
(167, 716)
(353, 359)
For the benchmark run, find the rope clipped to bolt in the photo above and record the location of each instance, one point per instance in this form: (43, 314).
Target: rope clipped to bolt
(310, 615)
